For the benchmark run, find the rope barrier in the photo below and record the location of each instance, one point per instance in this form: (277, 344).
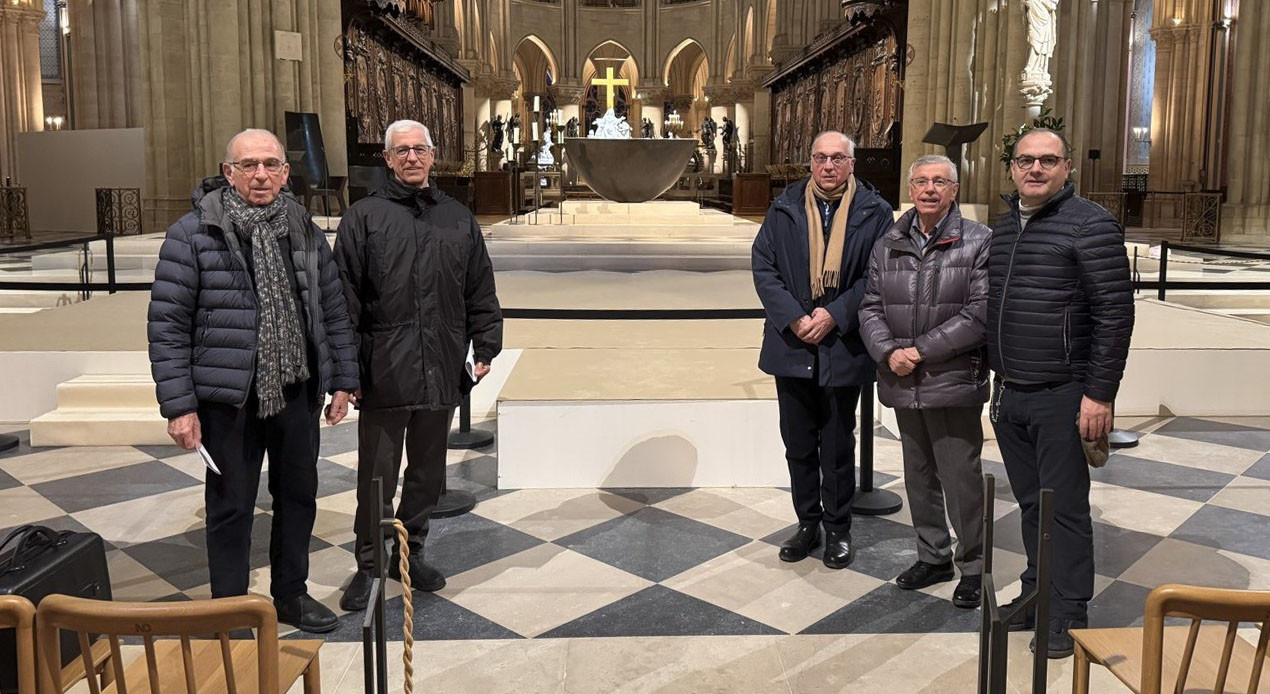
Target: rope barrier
(408, 609)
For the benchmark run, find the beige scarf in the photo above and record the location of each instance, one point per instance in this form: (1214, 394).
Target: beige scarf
(826, 266)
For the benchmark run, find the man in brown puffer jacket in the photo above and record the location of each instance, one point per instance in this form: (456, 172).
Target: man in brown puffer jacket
(922, 320)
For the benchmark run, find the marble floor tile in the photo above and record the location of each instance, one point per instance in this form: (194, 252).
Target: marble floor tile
(687, 665)
(334, 520)
(1260, 469)
(1177, 561)
(1228, 529)
(488, 667)
(1245, 494)
(116, 485)
(130, 581)
(550, 514)
(1158, 477)
(659, 611)
(753, 512)
(653, 543)
(1203, 455)
(887, 609)
(1145, 512)
(148, 518)
(540, 588)
(22, 505)
(752, 581)
(458, 544)
(1230, 432)
(59, 463)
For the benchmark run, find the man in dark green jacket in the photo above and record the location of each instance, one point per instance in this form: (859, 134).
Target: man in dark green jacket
(420, 288)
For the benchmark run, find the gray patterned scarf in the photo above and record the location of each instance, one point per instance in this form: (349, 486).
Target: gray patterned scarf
(281, 356)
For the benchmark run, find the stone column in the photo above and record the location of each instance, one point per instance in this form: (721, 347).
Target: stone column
(21, 98)
(569, 97)
(105, 63)
(654, 98)
(1182, 34)
(722, 104)
(208, 74)
(494, 97)
(1247, 211)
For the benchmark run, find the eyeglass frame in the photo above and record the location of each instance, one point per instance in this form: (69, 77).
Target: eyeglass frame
(923, 182)
(255, 165)
(824, 158)
(1057, 159)
(427, 151)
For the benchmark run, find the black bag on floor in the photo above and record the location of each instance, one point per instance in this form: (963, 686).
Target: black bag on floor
(36, 561)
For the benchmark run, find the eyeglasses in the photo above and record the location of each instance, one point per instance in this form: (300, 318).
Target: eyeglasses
(837, 159)
(1049, 161)
(940, 183)
(420, 151)
(251, 166)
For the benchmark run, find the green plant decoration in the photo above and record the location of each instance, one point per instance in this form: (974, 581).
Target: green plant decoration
(1046, 120)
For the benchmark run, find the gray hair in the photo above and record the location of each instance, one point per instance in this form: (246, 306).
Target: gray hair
(253, 132)
(402, 126)
(934, 159)
(849, 142)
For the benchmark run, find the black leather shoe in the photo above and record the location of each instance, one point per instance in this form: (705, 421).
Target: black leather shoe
(1061, 645)
(1026, 623)
(968, 592)
(423, 576)
(357, 594)
(922, 574)
(838, 549)
(801, 543)
(306, 614)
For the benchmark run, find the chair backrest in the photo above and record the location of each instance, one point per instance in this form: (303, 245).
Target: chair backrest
(1199, 604)
(148, 620)
(17, 613)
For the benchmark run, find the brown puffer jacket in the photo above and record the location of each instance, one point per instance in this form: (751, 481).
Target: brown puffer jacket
(936, 303)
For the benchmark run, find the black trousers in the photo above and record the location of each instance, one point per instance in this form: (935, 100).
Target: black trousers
(818, 428)
(380, 438)
(237, 441)
(1040, 443)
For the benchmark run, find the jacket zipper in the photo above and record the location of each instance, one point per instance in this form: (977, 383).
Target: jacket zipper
(1067, 346)
(1005, 288)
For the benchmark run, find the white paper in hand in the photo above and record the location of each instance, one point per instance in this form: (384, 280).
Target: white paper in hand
(470, 364)
(207, 459)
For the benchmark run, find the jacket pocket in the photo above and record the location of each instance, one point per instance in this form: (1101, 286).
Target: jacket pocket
(1067, 335)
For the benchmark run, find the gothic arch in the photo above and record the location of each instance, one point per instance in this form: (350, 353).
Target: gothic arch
(552, 66)
(669, 62)
(630, 69)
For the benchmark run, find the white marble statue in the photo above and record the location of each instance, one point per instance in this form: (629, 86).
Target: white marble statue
(611, 127)
(1042, 33)
(544, 153)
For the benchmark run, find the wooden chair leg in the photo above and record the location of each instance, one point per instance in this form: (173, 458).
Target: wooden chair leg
(1080, 672)
(313, 675)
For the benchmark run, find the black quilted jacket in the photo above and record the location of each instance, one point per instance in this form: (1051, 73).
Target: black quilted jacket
(202, 316)
(1060, 300)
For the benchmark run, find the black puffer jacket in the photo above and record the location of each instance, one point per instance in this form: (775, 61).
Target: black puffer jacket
(936, 303)
(419, 285)
(202, 316)
(1060, 300)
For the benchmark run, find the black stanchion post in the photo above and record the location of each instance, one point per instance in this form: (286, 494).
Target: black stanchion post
(465, 437)
(1164, 268)
(110, 262)
(869, 501)
(987, 598)
(1044, 555)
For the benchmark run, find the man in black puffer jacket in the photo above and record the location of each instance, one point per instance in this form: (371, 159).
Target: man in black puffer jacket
(248, 331)
(1060, 314)
(420, 288)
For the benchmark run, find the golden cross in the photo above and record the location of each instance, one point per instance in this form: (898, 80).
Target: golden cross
(610, 84)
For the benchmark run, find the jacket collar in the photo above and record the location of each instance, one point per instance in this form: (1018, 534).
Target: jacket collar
(949, 231)
(1067, 191)
(791, 201)
(417, 199)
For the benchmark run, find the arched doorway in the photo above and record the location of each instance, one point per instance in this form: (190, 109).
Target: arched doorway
(607, 56)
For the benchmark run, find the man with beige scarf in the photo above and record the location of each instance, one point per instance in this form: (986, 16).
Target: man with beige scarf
(810, 262)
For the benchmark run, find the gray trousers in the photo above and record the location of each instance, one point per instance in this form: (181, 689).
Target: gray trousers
(941, 466)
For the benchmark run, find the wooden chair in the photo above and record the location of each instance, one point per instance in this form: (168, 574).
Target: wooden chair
(17, 613)
(1155, 658)
(192, 665)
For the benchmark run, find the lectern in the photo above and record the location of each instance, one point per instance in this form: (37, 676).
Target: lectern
(952, 137)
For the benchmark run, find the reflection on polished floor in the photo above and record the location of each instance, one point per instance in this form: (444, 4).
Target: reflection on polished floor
(676, 589)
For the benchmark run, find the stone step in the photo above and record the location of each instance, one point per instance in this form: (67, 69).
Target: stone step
(1244, 299)
(103, 410)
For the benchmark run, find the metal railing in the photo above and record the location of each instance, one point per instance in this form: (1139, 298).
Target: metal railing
(1162, 285)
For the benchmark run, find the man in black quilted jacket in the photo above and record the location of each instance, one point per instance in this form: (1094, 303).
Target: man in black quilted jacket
(248, 332)
(1060, 314)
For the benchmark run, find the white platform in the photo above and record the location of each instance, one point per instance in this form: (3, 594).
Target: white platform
(103, 410)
